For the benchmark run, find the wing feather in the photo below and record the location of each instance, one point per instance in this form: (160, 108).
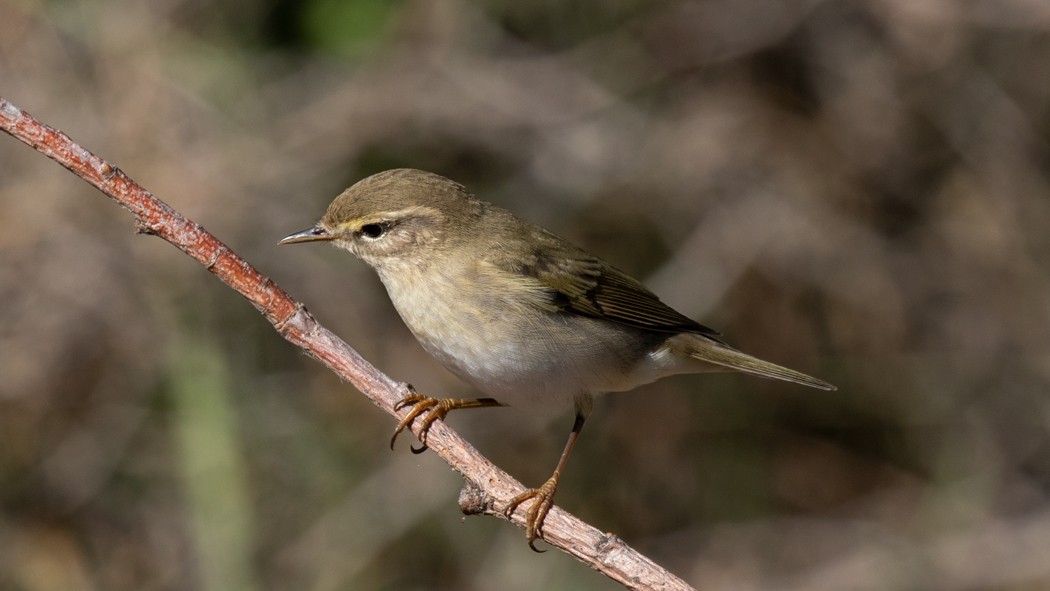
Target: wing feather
(582, 284)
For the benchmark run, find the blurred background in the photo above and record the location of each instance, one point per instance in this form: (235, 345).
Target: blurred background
(859, 190)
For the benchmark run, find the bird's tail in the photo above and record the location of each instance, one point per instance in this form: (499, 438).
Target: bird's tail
(708, 350)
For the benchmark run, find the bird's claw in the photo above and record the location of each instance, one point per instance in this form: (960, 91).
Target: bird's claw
(544, 500)
(438, 408)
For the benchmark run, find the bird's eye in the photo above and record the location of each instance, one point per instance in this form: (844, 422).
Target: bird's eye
(372, 231)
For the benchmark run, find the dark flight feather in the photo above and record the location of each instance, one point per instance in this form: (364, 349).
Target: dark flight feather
(583, 284)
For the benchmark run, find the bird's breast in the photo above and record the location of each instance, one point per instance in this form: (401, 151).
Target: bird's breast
(490, 332)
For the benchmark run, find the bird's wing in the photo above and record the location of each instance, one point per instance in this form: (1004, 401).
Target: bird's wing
(579, 283)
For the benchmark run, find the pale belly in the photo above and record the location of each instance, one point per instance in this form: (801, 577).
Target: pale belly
(526, 357)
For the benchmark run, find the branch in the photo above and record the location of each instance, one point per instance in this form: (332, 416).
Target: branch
(487, 488)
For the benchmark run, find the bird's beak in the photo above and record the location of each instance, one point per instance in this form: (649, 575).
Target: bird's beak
(315, 233)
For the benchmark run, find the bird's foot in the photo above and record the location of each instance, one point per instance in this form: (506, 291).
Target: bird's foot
(438, 408)
(544, 500)
(435, 408)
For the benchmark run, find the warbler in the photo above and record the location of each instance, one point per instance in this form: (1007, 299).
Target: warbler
(524, 316)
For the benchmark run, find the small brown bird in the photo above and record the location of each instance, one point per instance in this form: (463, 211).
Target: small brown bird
(517, 312)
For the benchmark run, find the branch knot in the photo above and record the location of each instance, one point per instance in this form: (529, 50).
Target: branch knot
(142, 228)
(473, 500)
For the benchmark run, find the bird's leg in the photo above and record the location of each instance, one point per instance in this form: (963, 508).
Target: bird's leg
(438, 408)
(544, 495)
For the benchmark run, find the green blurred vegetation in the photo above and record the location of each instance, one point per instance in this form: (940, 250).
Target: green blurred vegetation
(345, 29)
(212, 468)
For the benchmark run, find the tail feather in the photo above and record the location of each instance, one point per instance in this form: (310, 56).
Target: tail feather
(710, 351)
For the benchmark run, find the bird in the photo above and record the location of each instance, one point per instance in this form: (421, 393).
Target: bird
(525, 317)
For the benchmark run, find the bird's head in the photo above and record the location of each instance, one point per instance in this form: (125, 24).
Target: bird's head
(402, 214)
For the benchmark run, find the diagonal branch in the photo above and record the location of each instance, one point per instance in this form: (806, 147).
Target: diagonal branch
(487, 488)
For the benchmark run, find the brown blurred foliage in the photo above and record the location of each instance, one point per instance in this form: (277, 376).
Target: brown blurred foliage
(856, 189)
